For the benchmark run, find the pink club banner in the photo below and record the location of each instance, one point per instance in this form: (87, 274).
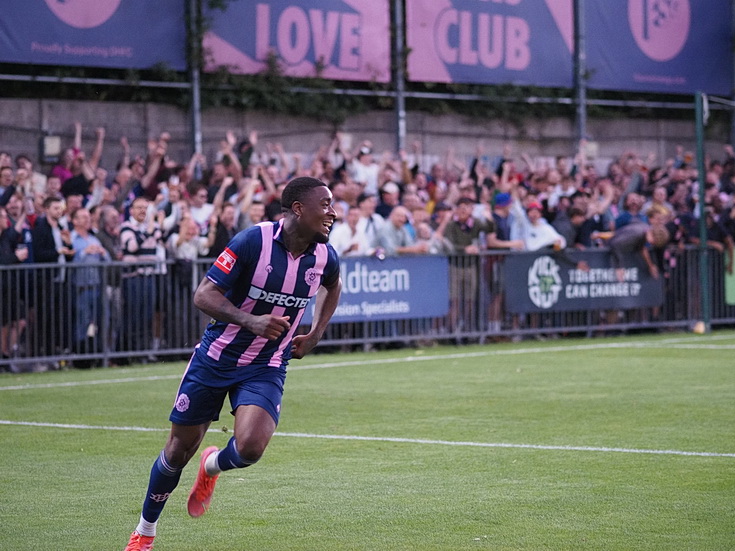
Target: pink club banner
(527, 42)
(334, 39)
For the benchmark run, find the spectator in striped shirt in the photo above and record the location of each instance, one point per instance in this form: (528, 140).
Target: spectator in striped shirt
(140, 238)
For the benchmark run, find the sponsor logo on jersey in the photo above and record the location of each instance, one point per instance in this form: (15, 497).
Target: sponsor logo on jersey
(279, 299)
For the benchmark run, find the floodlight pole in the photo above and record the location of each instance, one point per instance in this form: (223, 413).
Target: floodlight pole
(704, 279)
(732, 84)
(399, 76)
(194, 75)
(580, 69)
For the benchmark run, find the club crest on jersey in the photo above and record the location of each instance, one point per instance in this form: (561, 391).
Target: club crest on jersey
(226, 260)
(311, 276)
(182, 403)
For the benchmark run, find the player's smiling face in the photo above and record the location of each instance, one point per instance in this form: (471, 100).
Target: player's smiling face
(318, 215)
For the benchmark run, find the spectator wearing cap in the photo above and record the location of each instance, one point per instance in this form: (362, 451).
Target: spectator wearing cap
(502, 219)
(390, 197)
(531, 227)
(499, 239)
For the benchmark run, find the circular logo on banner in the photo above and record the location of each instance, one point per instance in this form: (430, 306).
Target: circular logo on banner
(83, 14)
(660, 27)
(544, 282)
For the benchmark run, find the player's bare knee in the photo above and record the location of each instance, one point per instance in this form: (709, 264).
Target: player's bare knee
(250, 451)
(179, 453)
(179, 457)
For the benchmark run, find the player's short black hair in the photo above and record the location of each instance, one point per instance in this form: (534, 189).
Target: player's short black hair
(297, 190)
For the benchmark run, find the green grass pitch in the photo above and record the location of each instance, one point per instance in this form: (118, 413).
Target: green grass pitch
(609, 444)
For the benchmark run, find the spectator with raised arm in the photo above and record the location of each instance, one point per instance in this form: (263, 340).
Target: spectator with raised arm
(140, 237)
(200, 208)
(224, 229)
(365, 169)
(65, 168)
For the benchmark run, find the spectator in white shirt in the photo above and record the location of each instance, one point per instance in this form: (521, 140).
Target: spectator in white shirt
(200, 210)
(530, 226)
(348, 239)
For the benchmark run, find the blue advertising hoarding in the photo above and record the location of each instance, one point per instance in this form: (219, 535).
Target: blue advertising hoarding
(665, 46)
(134, 34)
(538, 282)
(394, 288)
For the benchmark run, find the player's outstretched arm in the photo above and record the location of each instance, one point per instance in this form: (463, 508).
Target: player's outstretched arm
(211, 300)
(327, 299)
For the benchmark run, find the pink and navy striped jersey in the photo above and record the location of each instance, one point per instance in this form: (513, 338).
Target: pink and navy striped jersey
(260, 276)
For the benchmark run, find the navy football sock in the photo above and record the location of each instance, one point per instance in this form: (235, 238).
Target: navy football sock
(164, 478)
(228, 458)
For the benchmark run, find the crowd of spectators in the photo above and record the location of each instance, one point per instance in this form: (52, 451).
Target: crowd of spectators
(150, 207)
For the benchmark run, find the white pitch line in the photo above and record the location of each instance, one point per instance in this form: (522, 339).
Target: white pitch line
(393, 440)
(666, 343)
(504, 445)
(92, 382)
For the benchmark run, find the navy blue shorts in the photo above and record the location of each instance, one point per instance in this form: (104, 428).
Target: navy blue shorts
(203, 390)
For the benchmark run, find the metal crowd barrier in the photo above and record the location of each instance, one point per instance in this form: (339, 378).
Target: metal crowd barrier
(109, 314)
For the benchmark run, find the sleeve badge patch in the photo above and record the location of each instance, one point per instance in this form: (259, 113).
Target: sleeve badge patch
(226, 260)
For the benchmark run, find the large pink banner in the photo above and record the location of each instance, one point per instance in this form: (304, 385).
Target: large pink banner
(527, 42)
(333, 39)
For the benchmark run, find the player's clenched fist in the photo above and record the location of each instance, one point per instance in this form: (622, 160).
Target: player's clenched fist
(269, 326)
